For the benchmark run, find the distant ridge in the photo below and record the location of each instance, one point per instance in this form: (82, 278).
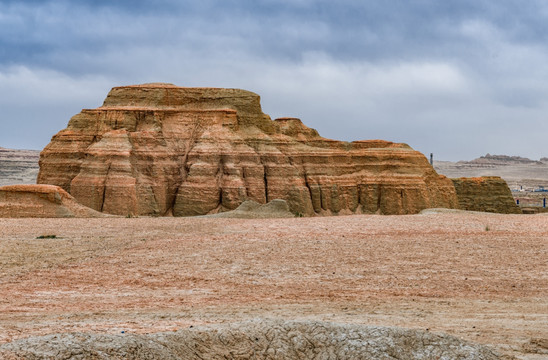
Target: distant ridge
(18, 166)
(503, 160)
(516, 170)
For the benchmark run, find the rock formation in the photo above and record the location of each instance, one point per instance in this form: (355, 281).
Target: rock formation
(488, 193)
(254, 340)
(159, 149)
(42, 201)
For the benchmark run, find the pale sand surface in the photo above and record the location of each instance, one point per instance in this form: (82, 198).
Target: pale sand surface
(442, 272)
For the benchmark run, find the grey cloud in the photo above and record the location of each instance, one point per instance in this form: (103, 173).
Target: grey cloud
(435, 74)
(393, 30)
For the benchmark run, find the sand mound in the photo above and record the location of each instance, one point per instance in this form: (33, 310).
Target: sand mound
(447, 211)
(250, 209)
(43, 201)
(255, 340)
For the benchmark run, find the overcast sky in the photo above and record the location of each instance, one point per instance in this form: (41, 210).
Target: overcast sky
(458, 78)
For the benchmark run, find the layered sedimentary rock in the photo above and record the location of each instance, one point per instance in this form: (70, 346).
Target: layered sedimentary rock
(159, 149)
(488, 193)
(42, 201)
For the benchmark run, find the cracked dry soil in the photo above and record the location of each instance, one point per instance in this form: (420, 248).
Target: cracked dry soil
(480, 277)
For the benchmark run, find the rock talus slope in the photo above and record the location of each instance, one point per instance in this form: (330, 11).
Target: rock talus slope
(159, 149)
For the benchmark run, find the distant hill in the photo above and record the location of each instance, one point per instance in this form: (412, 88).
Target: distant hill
(516, 170)
(18, 166)
(489, 159)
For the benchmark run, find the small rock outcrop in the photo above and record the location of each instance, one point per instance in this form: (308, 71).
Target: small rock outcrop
(159, 149)
(488, 193)
(255, 340)
(40, 201)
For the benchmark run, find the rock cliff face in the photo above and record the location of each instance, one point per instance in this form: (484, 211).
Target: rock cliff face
(159, 149)
(488, 193)
(40, 201)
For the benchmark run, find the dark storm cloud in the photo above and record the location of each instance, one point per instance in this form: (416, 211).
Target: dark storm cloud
(435, 74)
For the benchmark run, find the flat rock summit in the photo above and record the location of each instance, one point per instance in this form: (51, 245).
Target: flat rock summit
(159, 149)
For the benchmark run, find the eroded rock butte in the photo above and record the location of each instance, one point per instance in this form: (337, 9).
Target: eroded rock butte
(159, 149)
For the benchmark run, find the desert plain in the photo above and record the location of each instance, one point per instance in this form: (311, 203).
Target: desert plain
(478, 276)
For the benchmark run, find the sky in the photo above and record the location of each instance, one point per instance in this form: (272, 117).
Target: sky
(457, 78)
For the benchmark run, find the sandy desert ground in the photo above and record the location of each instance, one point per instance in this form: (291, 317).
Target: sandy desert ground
(481, 277)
